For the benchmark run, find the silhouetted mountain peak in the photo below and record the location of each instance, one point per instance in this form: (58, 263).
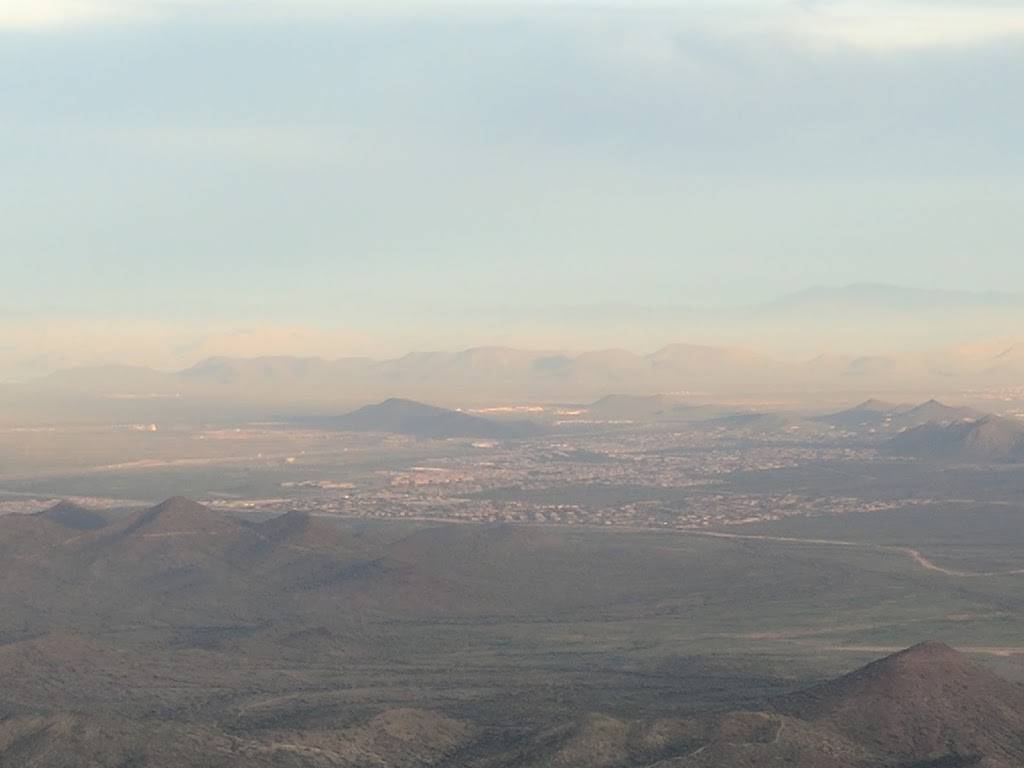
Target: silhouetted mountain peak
(74, 516)
(177, 515)
(409, 417)
(927, 701)
(934, 410)
(929, 657)
(178, 506)
(905, 677)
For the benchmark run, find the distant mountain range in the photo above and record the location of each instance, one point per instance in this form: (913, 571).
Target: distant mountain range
(851, 321)
(492, 374)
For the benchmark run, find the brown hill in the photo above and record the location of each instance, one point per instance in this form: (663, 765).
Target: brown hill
(24, 538)
(183, 637)
(926, 703)
(177, 540)
(926, 707)
(395, 738)
(186, 565)
(299, 553)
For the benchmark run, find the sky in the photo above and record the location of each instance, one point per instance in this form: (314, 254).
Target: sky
(183, 177)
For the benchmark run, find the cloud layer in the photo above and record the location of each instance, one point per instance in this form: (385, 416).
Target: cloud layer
(881, 25)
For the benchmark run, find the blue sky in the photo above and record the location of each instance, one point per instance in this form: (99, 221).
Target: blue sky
(383, 174)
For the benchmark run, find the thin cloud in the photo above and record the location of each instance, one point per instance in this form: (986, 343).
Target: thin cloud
(877, 25)
(905, 26)
(30, 14)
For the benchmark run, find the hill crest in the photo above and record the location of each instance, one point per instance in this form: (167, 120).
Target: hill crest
(74, 516)
(929, 701)
(177, 515)
(990, 438)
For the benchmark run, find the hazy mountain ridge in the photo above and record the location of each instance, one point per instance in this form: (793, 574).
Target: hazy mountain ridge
(489, 374)
(849, 320)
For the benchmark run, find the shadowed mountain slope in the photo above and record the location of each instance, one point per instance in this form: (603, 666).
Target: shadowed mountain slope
(987, 439)
(926, 707)
(405, 738)
(182, 564)
(926, 703)
(74, 516)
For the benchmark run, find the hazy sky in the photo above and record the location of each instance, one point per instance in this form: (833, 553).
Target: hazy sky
(373, 175)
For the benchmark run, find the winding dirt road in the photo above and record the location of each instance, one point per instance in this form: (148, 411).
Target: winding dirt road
(914, 554)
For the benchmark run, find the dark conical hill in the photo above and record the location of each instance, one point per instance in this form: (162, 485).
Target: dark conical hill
(74, 516)
(926, 701)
